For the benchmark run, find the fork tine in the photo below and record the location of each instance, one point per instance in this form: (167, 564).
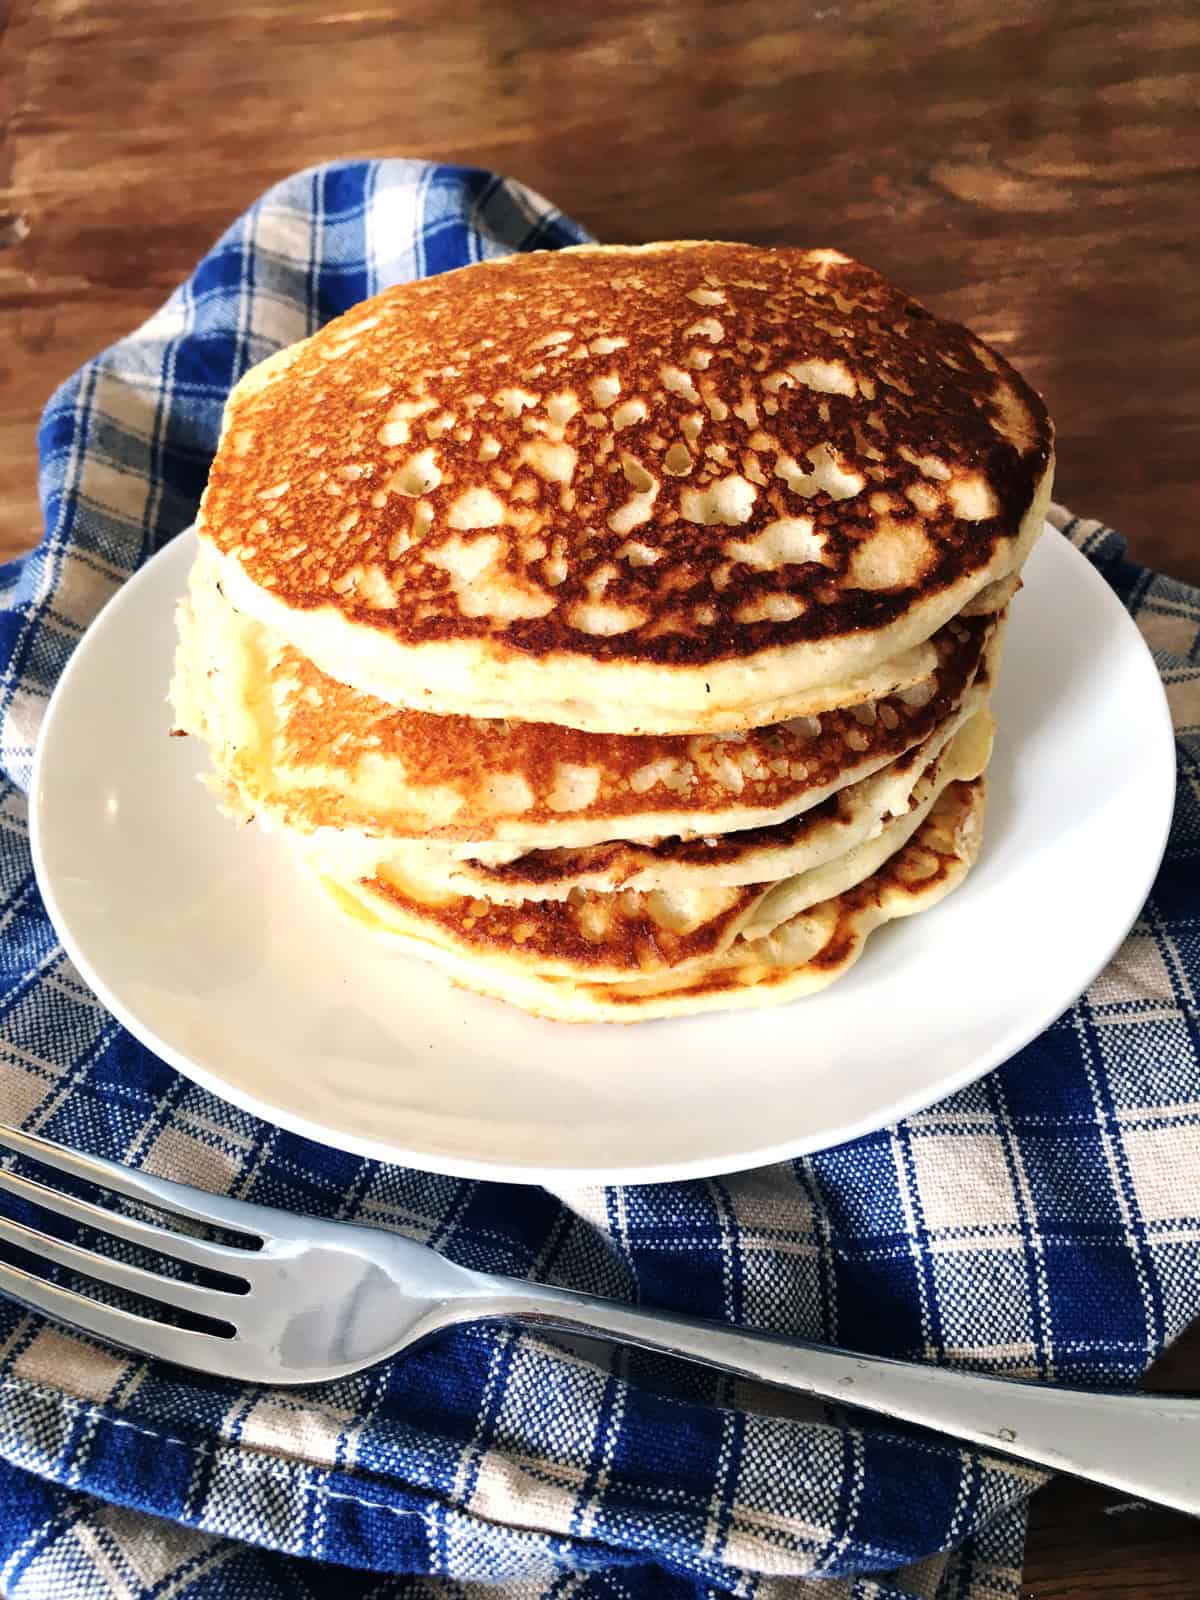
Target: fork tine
(179, 1198)
(218, 1303)
(217, 1257)
(200, 1350)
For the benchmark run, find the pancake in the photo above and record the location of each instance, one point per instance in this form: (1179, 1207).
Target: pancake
(665, 489)
(799, 958)
(615, 627)
(615, 937)
(305, 753)
(846, 819)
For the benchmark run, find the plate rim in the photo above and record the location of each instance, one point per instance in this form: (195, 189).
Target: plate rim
(1007, 1045)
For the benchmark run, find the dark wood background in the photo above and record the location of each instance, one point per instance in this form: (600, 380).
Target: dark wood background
(1028, 167)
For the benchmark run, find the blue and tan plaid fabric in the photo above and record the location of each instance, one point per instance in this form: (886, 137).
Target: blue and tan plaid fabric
(1045, 1221)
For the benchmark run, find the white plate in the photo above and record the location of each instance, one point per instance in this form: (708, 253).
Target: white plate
(205, 943)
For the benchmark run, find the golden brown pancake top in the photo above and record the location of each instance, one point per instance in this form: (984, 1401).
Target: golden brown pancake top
(682, 454)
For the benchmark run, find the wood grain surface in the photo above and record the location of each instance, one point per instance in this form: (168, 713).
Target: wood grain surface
(1029, 168)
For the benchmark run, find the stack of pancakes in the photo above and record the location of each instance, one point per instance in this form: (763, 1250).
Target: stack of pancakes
(615, 627)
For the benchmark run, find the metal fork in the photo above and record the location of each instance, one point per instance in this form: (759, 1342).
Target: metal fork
(312, 1301)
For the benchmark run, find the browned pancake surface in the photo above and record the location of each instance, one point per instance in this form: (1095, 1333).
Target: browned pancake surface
(545, 773)
(683, 455)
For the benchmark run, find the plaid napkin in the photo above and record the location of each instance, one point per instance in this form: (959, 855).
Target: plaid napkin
(1045, 1221)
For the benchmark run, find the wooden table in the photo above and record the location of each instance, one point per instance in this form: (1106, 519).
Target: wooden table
(1029, 168)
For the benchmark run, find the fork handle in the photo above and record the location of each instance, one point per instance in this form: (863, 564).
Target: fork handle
(1144, 1445)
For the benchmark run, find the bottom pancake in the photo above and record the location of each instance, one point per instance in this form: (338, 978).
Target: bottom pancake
(798, 957)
